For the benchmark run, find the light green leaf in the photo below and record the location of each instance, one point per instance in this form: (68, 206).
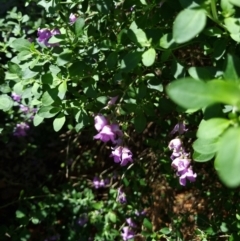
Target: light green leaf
(212, 128)
(79, 24)
(6, 102)
(189, 93)
(199, 73)
(200, 157)
(227, 162)
(188, 23)
(48, 111)
(59, 122)
(205, 146)
(37, 120)
(62, 89)
(232, 70)
(28, 74)
(21, 44)
(167, 41)
(235, 2)
(14, 69)
(148, 57)
(20, 214)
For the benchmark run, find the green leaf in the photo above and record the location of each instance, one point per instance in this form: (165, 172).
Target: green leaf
(140, 122)
(205, 146)
(227, 162)
(112, 60)
(189, 93)
(167, 41)
(49, 97)
(14, 69)
(21, 44)
(62, 89)
(233, 26)
(188, 23)
(232, 70)
(28, 74)
(199, 73)
(112, 216)
(212, 128)
(130, 61)
(37, 120)
(137, 35)
(64, 58)
(224, 92)
(148, 57)
(48, 111)
(20, 214)
(147, 224)
(235, 2)
(79, 24)
(165, 230)
(6, 102)
(24, 55)
(200, 157)
(59, 122)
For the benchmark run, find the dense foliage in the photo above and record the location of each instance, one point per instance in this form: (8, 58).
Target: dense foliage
(113, 114)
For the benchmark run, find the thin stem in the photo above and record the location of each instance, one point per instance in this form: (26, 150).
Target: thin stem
(214, 9)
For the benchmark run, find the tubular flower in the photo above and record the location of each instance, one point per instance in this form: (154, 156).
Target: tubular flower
(127, 233)
(72, 18)
(100, 122)
(122, 155)
(16, 97)
(45, 34)
(20, 129)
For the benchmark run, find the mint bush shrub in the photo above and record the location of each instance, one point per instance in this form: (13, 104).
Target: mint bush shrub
(120, 66)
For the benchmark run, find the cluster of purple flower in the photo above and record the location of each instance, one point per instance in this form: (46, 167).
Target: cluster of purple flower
(127, 231)
(21, 129)
(112, 132)
(98, 183)
(45, 34)
(180, 159)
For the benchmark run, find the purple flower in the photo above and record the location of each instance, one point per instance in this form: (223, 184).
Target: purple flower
(122, 155)
(140, 213)
(180, 164)
(127, 233)
(106, 134)
(83, 219)
(72, 18)
(45, 34)
(109, 133)
(100, 122)
(97, 183)
(131, 223)
(180, 128)
(24, 109)
(175, 145)
(187, 174)
(20, 129)
(113, 100)
(16, 97)
(121, 196)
